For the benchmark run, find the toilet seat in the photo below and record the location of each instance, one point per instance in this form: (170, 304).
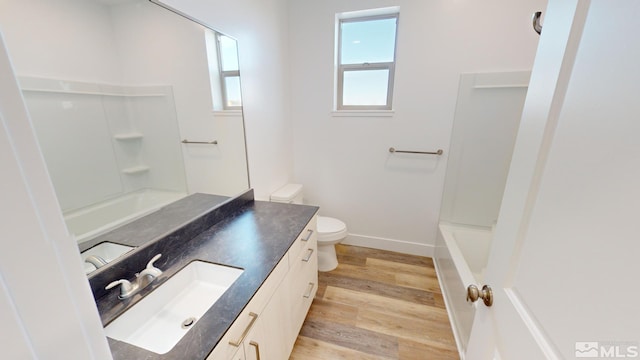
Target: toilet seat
(330, 229)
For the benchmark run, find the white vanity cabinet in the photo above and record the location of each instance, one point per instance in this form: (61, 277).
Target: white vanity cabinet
(267, 339)
(239, 355)
(268, 326)
(301, 283)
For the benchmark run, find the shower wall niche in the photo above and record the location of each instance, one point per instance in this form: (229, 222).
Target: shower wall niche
(103, 141)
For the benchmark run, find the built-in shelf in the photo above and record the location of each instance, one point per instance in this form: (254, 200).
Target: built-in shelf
(128, 136)
(135, 170)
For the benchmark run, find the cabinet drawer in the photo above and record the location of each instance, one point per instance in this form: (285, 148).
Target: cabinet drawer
(247, 318)
(306, 273)
(304, 284)
(309, 233)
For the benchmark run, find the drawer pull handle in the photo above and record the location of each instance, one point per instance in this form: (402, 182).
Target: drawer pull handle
(254, 317)
(308, 257)
(309, 233)
(309, 291)
(255, 344)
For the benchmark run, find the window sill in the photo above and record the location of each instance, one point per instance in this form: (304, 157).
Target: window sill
(363, 113)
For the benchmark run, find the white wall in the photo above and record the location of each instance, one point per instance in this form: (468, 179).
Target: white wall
(392, 201)
(54, 23)
(261, 28)
(46, 307)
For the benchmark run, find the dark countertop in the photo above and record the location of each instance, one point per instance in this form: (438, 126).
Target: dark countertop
(253, 235)
(158, 223)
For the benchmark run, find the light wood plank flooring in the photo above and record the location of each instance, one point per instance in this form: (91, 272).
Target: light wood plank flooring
(377, 305)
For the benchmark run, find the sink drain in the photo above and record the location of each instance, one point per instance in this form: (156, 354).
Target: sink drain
(188, 322)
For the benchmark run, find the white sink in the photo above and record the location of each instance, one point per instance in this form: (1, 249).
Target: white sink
(107, 251)
(163, 317)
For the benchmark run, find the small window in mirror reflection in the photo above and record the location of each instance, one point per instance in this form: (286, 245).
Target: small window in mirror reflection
(224, 72)
(229, 72)
(228, 53)
(232, 87)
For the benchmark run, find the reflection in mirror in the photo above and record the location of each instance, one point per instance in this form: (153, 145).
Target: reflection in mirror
(229, 70)
(113, 88)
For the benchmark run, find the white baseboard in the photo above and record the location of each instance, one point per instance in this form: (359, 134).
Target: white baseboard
(400, 246)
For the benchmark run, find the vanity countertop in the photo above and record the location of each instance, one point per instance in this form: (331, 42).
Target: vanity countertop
(254, 236)
(156, 224)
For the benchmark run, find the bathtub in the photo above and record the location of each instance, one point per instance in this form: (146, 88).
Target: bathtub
(461, 256)
(88, 222)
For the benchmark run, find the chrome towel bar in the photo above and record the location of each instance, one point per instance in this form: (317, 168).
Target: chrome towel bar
(214, 142)
(393, 150)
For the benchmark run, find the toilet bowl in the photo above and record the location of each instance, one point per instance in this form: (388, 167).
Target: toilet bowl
(330, 231)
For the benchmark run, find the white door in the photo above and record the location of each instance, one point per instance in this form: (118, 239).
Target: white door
(564, 264)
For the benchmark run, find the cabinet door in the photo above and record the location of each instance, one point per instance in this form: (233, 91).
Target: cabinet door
(254, 344)
(267, 339)
(239, 355)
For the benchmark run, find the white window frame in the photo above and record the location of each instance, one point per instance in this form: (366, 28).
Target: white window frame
(224, 75)
(341, 68)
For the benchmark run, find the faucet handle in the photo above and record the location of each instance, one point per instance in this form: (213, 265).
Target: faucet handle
(126, 289)
(151, 270)
(150, 263)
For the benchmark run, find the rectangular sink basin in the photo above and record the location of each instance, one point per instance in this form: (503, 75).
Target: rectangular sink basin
(163, 317)
(107, 251)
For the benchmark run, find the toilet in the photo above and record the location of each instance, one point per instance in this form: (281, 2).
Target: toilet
(330, 231)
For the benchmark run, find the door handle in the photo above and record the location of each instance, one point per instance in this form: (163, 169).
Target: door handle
(486, 294)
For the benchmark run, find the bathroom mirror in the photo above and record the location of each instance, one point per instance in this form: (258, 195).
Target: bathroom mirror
(134, 106)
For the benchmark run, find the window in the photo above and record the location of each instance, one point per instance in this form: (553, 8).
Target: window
(366, 62)
(224, 72)
(229, 72)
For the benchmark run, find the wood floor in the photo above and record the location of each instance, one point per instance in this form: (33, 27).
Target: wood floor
(377, 305)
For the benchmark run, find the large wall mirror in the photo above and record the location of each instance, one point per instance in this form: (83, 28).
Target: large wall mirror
(134, 106)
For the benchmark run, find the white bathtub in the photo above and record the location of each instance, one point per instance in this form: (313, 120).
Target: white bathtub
(91, 221)
(461, 257)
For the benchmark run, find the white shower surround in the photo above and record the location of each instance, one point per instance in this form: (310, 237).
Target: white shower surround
(91, 221)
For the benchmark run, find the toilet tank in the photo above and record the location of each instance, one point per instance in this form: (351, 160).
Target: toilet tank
(290, 193)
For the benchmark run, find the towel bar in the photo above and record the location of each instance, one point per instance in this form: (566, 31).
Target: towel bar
(438, 152)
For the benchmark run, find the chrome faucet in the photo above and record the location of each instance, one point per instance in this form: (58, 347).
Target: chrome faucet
(143, 279)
